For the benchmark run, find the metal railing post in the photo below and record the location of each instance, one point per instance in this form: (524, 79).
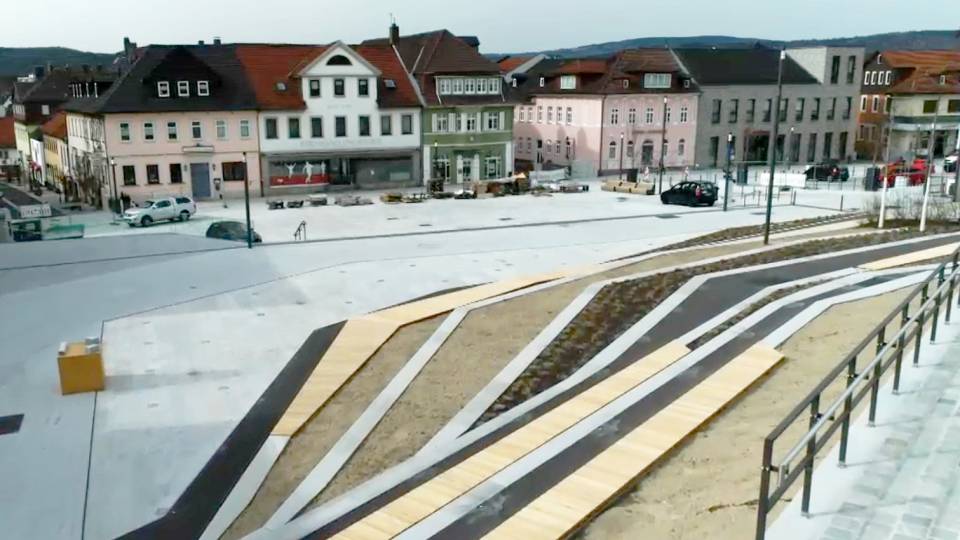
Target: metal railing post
(953, 284)
(811, 449)
(936, 305)
(875, 385)
(901, 343)
(763, 501)
(847, 406)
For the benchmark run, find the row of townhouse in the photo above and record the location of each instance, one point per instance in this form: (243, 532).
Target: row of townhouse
(679, 107)
(203, 119)
(907, 96)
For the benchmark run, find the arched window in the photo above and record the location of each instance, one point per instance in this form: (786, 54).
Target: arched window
(666, 147)
(339, 60)
(612, 150)
(630, 149)
(681, 147)
(568, 148)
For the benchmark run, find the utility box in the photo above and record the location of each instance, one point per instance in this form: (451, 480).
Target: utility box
(81, 366)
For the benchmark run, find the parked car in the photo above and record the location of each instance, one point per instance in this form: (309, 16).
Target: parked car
(165, 209)
(691, 194)
(915, 171)
(950, 163)
(829, 171)
(231, 230)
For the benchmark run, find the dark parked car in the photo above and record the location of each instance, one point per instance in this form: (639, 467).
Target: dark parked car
(691, 194)
(828, 171)
(231, 230)
(950, 163)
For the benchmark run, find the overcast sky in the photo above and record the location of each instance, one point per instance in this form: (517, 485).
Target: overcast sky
(501, 25)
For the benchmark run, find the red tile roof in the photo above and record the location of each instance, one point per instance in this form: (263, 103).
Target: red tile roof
(384, 58)
(920, 59)
(511, 63)
(928, 82)
(56, 126)
(8, 137)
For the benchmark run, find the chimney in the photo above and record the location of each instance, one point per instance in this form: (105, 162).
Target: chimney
(129, 49)
(394, 33)
(216, 40)
(200, 42)
(38, 72)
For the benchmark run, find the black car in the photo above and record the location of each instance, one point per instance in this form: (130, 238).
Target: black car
(691, 194)
(231, 230)
(828, 171)
(950, 163)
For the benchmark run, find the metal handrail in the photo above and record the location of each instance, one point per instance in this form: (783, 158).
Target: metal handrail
(301, 232)
(837, 415)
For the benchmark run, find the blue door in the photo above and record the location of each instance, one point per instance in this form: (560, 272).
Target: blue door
(200, 180)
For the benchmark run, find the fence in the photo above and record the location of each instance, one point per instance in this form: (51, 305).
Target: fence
(825, 422)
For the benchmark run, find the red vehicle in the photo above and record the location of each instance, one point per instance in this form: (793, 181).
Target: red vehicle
(916, 172)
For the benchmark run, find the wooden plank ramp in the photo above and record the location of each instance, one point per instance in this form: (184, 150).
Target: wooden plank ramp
(574, 501)
(420, 502)
(912, 257)
(361, 337)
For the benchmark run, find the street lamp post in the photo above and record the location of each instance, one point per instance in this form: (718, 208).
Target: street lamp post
(116, 192)
(663, 143)
(621, 156)
(773, 146)
(246, 201)
(728, 172)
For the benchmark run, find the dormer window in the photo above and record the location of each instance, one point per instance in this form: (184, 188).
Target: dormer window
(543, 82)
(567, 82)
(626, 83)
(943, 80)
(163, 89)
(686, 83)
(183, 88)
(656, 80)
(203, 88)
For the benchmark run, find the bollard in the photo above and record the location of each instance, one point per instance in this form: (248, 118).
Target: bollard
(841, 203)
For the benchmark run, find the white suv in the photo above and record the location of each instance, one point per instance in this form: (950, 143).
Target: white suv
(168, 208)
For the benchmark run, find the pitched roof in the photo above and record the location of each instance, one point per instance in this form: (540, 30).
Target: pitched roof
(54, 87)
(134, 91)
(8, 137)
(928, 82)
(510, 63)
(741, 66)
(384, 58)
(440, 52)
(920, 59)
(56, 126)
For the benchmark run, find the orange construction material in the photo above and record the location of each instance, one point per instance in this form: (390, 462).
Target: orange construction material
(81, 367)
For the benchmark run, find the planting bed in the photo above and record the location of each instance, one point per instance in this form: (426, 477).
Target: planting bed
(619, 306)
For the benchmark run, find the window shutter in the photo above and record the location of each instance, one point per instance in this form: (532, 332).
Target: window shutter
(434, 118)
(502, 118)
(463, 121)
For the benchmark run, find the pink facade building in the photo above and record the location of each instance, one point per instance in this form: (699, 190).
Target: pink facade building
(601, 116)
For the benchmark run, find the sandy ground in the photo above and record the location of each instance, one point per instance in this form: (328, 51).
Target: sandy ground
(708, 487)
(317, 436)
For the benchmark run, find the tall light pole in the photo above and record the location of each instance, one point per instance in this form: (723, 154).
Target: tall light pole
(246, 201)
(728, 172)
(773, 146)
(621, 157)
(663, 140)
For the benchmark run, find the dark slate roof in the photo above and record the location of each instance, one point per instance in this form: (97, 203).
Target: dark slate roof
(135, 90)
(740, 66)
(54, 87)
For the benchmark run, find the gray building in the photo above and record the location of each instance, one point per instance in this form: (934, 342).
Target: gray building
(738, 87)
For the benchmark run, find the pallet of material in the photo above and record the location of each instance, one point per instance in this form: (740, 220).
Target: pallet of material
(391, 198)
(317, 200)
(415, 197)
(352, 200)
(622, 186)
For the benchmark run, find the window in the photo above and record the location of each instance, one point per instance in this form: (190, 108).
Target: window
(569, 115)
(172, 131)
(929, 106)
(472, 122)
(494, 86)
(176, 174)
(364, 125)
(244, 129)
(492, 167)
(873, 77)
(203, 88)
(714, 150)
(784, 106)
(734, 110)
(612, 150)
(542, 81)
(568, 149)
(125, 132)
(667, 113)
(681, 147)
(887, 102)
(832, 111)
(469, 86)
(441, 123)
(316, 127)
(196, 130)
(386, 124)
(549, 147)
(129, 175)
(835, 70)
(827, 145)
(798, 109)
(847, 108)
(630, 149)
(768, 107)
(338, 88)
(340, 126)
(715, 113)
(153, 174)
(656, 80)
(953, 106)
(631, 116)
(842, 145)
(648, 115)
(406, 124)
(363, 87)
(163, 88)
(866, 78)
(795, 147)
(221, 129)
(293, 128)
(943, 79)
(148, 131)
(812, 148)
(493, 120)
(614, 116)
(863, 103)
(876, 104)
(665, 147)
(815, 112)
(886, 79)
(314, 87)
(539, 113)
(44, 110)
(568, 82)
(751, 114)
(271, 128)
(549, 115)
(183, 88)
(234, 171)
(523, 114)
(851, 69)
(444, 86)
(481, 86)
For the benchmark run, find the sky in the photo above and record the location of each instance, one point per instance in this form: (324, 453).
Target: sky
(501, 25)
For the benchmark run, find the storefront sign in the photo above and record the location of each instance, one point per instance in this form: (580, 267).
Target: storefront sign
(31, 211)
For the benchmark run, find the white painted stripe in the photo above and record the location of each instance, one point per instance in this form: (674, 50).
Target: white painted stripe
(514, 472)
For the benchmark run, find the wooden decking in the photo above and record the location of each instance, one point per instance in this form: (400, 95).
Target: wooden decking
(439, 491)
